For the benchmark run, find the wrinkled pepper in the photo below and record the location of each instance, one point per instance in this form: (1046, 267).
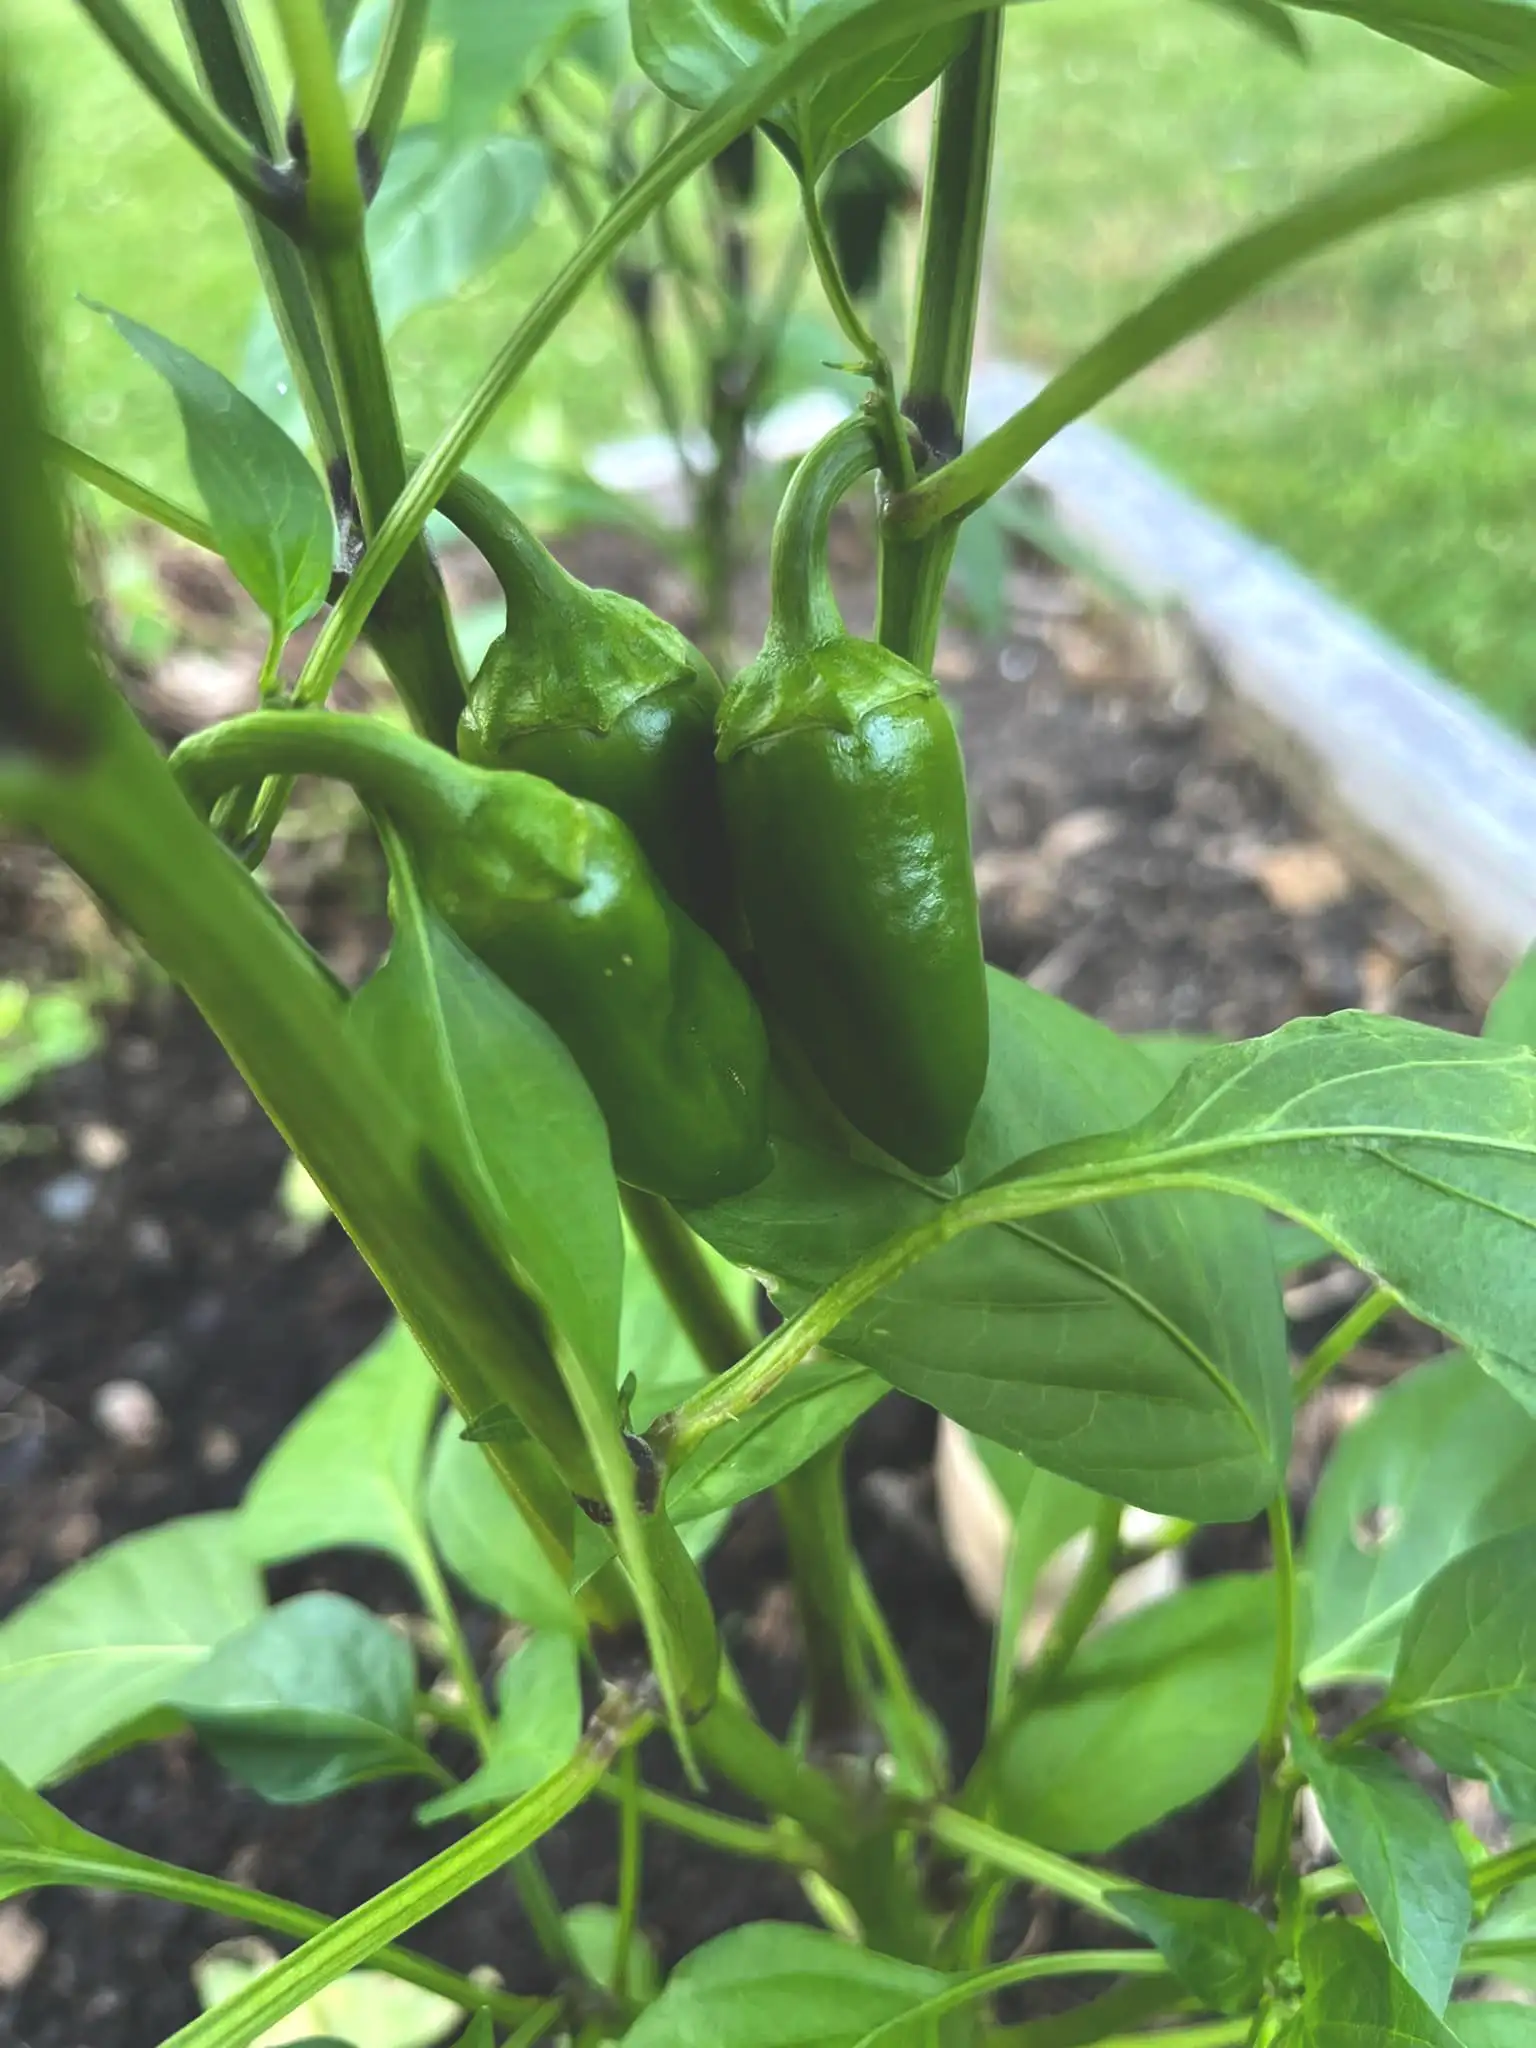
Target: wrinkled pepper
(591, 690)
(845, 800)
(554, 895)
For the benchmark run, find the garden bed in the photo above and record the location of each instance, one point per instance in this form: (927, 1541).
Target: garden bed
(162, 1318)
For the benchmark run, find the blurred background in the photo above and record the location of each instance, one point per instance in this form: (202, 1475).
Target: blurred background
(1374, 415)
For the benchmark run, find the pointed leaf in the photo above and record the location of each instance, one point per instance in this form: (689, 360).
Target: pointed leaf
(1464, 1688)
(94, 1650)
(814, 1406)
(773, 1985)
(348, 1472)
(1139, 1349)
(485, 1542)
(1152, 1712)
(1220, 1952)
(538, 1726)
(1355, 1999)
(315, 1695)
(1400, 1850)
(270, 516)
(446, 211)
(1443, 1460)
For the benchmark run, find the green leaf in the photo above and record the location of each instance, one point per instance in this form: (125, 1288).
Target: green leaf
(816, 1404)
(1511, 1018)
(1394, 1140)
(538, 1725)
(1220, 1952)
(499, 51)
(1494, 40)
(1355, 1999)
(115, 1635)
(36, 1840)
(1464, 1688)
(1139, 1349)
(485, 1542)
(270, 516)
(1443, 1460)
(1484, 2024)
(445, 211)
(1400, 1850)
(696, 50)
(1152, 1712)
(594, 1932)
(313, 1696)
(1269, 21)
(772, 1985)
(41, 1030)
(347, 1474)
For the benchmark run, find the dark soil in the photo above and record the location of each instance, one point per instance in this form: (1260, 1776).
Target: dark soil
(1132, 859)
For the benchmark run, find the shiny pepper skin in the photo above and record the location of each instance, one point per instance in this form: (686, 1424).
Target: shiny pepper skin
(591, 690)
(555, 896)
(845, 800)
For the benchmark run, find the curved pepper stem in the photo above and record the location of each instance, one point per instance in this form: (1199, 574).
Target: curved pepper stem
(800, 582)
(528, 573)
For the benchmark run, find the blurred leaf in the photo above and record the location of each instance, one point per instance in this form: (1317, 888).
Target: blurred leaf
(484, 1540)
(1296, 1246)
(499, 50)
(313, 1696)
(594, 1936)
(1220, 1952)
(1444, 1459)
(1400, 1850)
(1511, 1018)
(268, 509)
(1355, 1999)
(1484, 2024)
(1494, 40)
(363, 2010)
(538, 1725)
(446, 211)
(1270, 22)
(41, 1030)
(115, 1635)
(37, 1844)
(1464, 1687)
(348, 1472)
(1152, 1712)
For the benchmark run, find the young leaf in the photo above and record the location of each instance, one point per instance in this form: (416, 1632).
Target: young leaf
(773, 1985)
(1511, 1018)
(1152, 1712)
(1392, 1139)
(1354, 1997)
(1220, 1952)
(348, 1471)
(1464, 1688)
(313, 1696)
(445, 211)
(94, 1650)
(696, 50)
(1443, 1460)
(485, 1542)
(1399, 1849)
(538, 1725)
(810, 1409)
(1138, 1349)
(270, 516)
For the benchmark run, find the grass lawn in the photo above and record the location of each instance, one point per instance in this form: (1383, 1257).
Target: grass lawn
(1375, 415)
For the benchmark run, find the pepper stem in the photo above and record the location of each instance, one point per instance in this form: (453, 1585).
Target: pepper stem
(528, 573)
(805, 609)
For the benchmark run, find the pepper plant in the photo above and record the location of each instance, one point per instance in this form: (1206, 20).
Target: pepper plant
(685, 994)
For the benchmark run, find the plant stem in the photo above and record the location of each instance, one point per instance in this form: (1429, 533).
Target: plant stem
(631, 1852)
(1088, 1962)
(333, 192)
(1496, 1874)
(539, 2023)
(910, 1736)
(724, 1831)
(220, 144)
(710, 1321)
(805, 609)
(216, 34)
(967, 1836)
(438, 1602)
(874, 363)
(148, 1877)
(546, 1922)
(390, 86)
(1272, 1836)
(127, 490)
(1098, 2020)
(913, 573)
(1341, 1340)
(821, 1564)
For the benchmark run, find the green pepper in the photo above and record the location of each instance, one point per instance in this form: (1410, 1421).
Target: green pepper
(591, 690)
(845, 800)
(554, 895)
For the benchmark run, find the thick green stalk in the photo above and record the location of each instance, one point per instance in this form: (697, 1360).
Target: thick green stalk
(390, 86)
(913, 573)
(218, 141)
(805, 610)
